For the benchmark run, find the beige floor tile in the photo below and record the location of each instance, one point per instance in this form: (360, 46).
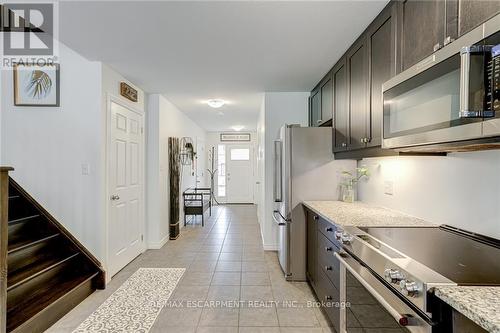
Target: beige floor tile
(261, 316)
(256, 293)
(224, 293)
(255, 279)
(219, 317)
(297, 316)
(226, 279)
(224, 261)
(259, 330)
(228, 266)
(182, 316)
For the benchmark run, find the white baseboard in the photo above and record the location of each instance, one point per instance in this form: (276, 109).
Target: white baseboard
(271, 247)
(159, 244)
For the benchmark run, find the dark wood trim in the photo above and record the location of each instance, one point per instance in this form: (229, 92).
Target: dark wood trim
(51, 314)
(102, 274)
(4, 231)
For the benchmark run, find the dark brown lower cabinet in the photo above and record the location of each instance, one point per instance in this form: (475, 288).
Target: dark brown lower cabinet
(323, 268)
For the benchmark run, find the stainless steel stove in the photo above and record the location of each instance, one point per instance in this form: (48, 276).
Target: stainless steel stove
(398, 267)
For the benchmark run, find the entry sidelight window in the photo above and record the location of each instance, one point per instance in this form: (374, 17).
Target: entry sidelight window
(221, 171)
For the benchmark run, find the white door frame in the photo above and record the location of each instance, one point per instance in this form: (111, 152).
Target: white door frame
(115, 99)
(251, 146)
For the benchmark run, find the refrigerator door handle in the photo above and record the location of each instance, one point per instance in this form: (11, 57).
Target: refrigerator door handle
(278, 177)
(279, 220)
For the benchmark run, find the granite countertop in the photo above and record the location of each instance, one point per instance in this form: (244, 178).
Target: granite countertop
(479, 304)
(359, 214)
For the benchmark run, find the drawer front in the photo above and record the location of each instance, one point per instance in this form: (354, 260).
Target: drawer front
(328, 229)
(327, 261)
(330, 298)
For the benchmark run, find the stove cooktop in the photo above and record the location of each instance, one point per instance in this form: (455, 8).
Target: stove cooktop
(463, 257)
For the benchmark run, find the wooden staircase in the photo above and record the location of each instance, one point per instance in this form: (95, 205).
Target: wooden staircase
(48, 271)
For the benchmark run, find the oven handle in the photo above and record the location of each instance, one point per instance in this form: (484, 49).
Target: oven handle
(401, 319)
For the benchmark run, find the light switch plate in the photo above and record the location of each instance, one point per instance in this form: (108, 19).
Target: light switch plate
(389, 187)
(85, 169)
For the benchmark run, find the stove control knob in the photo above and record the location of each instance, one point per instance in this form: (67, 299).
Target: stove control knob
(393, 275)
(338, 235)
(409, 288)
(346, 238)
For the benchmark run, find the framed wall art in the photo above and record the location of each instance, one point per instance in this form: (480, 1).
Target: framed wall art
(36, 85)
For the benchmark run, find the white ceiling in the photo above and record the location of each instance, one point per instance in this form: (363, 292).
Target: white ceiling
(235, 50)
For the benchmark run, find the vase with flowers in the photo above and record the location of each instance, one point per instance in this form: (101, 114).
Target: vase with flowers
(350, 181)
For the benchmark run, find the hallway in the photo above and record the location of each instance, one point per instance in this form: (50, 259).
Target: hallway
(224, 261)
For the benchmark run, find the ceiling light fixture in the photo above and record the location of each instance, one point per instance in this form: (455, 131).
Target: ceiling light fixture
(216, 103)
(238, 128)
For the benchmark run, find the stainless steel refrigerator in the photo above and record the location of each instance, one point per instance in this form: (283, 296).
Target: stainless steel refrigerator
(304, 169)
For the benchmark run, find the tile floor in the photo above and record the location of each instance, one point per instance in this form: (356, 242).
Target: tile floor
(231, 284)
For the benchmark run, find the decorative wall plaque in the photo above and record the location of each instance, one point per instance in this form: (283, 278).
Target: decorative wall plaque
(128, 92)
(234, 137)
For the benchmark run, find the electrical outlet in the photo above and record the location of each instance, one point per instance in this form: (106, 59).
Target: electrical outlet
(389, 187)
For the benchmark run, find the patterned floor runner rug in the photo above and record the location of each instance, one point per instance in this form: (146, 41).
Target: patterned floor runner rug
(135, 305)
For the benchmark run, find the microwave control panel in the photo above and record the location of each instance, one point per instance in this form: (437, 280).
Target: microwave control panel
(494, 76)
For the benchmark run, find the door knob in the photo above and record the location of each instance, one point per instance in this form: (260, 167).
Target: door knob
(115, 197)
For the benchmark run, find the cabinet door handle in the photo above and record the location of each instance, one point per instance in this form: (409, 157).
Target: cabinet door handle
(344, 144)
(319, 121)
(315, 217)
(328, 249)
(328, 268)
(329, 229)
(328, 298)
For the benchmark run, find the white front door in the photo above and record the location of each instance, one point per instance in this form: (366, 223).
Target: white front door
(125, 189)
(239, 173)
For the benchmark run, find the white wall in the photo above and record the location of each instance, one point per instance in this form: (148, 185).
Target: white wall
(48, 145)
(279, 108)
(261, 165)
(164, 121)
(461, 189)
(213, 139)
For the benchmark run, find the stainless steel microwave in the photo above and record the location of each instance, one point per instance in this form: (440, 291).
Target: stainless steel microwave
(450, 101)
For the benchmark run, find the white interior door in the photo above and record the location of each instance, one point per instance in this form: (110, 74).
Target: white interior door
(125, 220)
(239, 174)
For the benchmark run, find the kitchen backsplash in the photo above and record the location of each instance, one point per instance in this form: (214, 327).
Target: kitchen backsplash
(461, 189)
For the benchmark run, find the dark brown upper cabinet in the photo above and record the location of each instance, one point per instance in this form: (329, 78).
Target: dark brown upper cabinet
(403, 34)
(326, 99)
(382, 64)
(423, 29)
(357, 85)
(340, 107)
(321, 103)
(315, 107)
(472, 13)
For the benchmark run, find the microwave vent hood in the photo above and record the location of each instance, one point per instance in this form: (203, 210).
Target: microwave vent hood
(450, 101)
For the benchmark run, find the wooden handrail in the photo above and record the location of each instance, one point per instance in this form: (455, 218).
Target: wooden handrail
(4, 233)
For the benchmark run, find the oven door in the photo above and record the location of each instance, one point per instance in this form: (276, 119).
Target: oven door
(369, 305)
